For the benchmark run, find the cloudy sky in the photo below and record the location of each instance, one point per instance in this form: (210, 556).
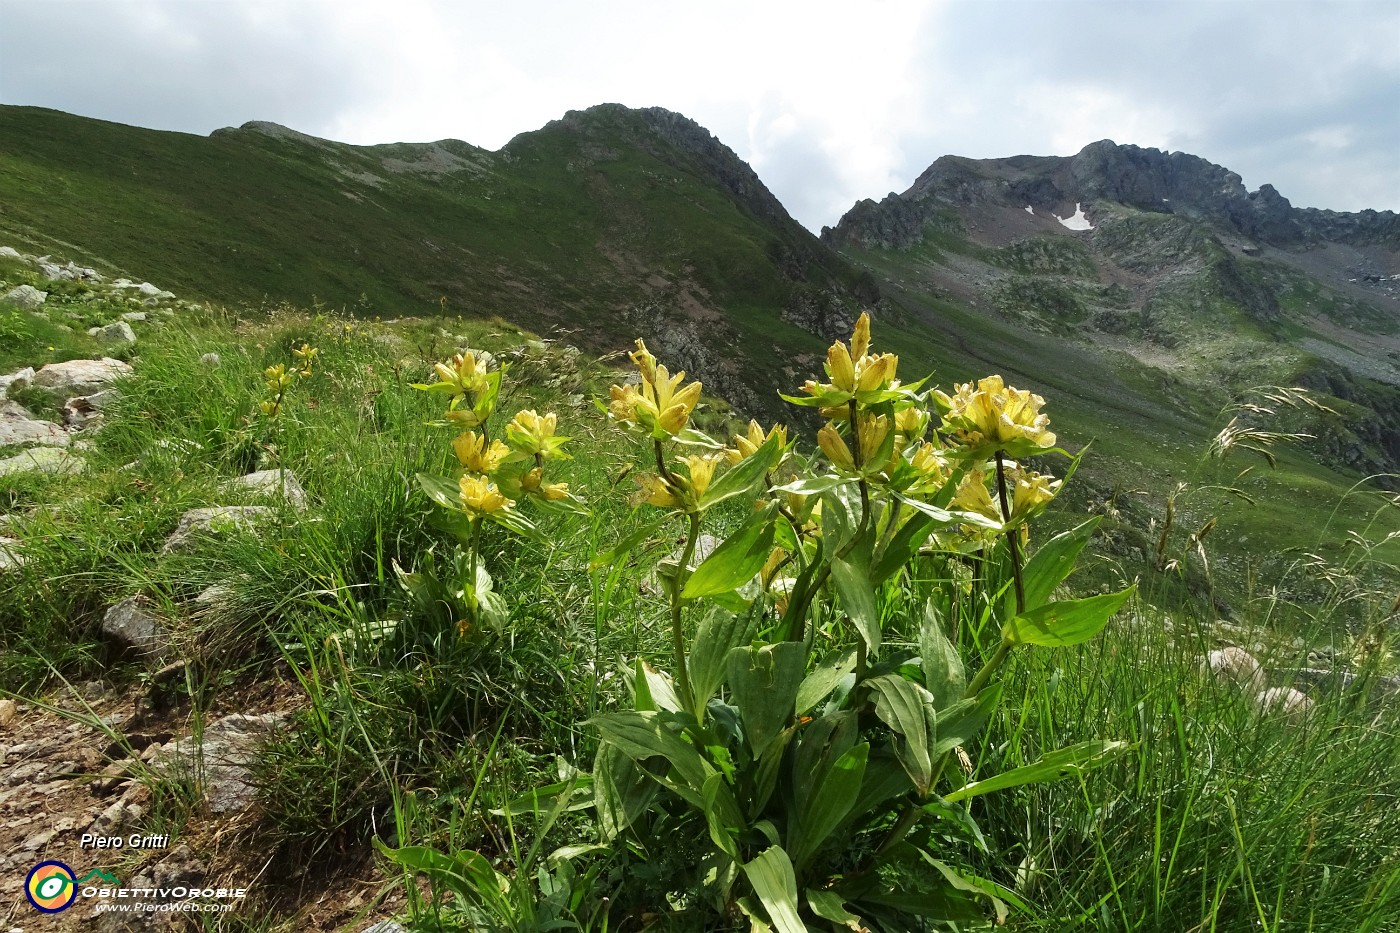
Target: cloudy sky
(829, 101)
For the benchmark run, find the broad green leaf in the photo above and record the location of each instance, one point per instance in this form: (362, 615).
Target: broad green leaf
(539, 799)
(840, 516)
(744, 477)
(440, 489)
(738, 558)
(835, 794)
(622, 790)
(1069, 622)
(722, 815)
(1053, 561)
(763, 684)
(819, 683)
(626, 545)
(643, 735)
(512, 520)
(693, 438)
(654, 690)
(944, 675)
(775, 885)
(851, 574)
(719, 631)
(769, 770)
(960, 817)
(814, 485)
(971, 885)
(819, 744)
(903, 546)
(908, 709)
(468, 874)
(831, 906)
(1064, 762)
(885, 779)
(960, 723)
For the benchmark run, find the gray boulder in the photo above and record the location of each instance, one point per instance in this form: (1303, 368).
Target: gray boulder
(215, 520)
(27, 297)
(134, 316)
(116, 332)
(62, 381)
(9, 252)
(85, 411)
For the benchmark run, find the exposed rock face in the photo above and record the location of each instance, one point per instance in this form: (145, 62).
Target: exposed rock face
(42, 460)
(221, 757)
(62, 381)
(117, 332)
(20, 428)
(15, 381)
(1147, 179)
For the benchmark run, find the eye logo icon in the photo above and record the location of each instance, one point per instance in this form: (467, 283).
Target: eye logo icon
(51, 887)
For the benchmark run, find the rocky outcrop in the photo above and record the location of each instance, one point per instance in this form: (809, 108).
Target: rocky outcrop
(74, 378)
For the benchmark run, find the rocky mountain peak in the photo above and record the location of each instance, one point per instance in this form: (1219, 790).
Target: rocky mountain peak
(1143, 178)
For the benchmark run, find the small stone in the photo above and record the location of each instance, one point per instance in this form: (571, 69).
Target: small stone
(280, 484)
(11, 558)
(117, 332)
(8, 711)
(1292, 703)
(120, 814)
(134, 316)
(146, 288)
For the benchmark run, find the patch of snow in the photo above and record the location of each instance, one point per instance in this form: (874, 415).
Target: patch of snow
(1076, 222)
(1029, 210)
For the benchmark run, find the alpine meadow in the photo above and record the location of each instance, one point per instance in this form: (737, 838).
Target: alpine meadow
(424, 538)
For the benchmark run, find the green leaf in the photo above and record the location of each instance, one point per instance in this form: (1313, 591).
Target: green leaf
(625, 546)
(885, 779)
(944, 675)
(722, 815)
(814, 485)
(643, 735)
(654, 690)
(816, 685)
(903, 546)
(959, 724)
(738, 558)
(763, 684)
(746, 476)
(468, 874)
(622, 790)
(908, 709)
(835, 794)
(960, 817)
(831, 906)
(693, 438)
(1075, 759)
(1053, 561)
(719, 631)
(775, 884)
(443, 491)
(1069, 622)
(851, 574)
(512, 520)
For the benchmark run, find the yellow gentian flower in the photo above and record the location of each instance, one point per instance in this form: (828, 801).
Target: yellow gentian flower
(473, 453)
(746, 444)
(992, 416)
(702, 470)
(480, 496)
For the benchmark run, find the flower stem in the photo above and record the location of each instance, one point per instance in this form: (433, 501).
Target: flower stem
(1013, 540)
(677, 629)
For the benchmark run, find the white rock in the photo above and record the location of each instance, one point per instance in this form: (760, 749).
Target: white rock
(210, 359)
(10, 556)
(146, 288)
(116, 332)
(42, 460)
(1237, 665)
(62, 381)
(134, 316)
(9, 252)
(1286, 700)
(26, 296)
(275, 484)
(15, 381)
(215, 520)
(85, 411)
